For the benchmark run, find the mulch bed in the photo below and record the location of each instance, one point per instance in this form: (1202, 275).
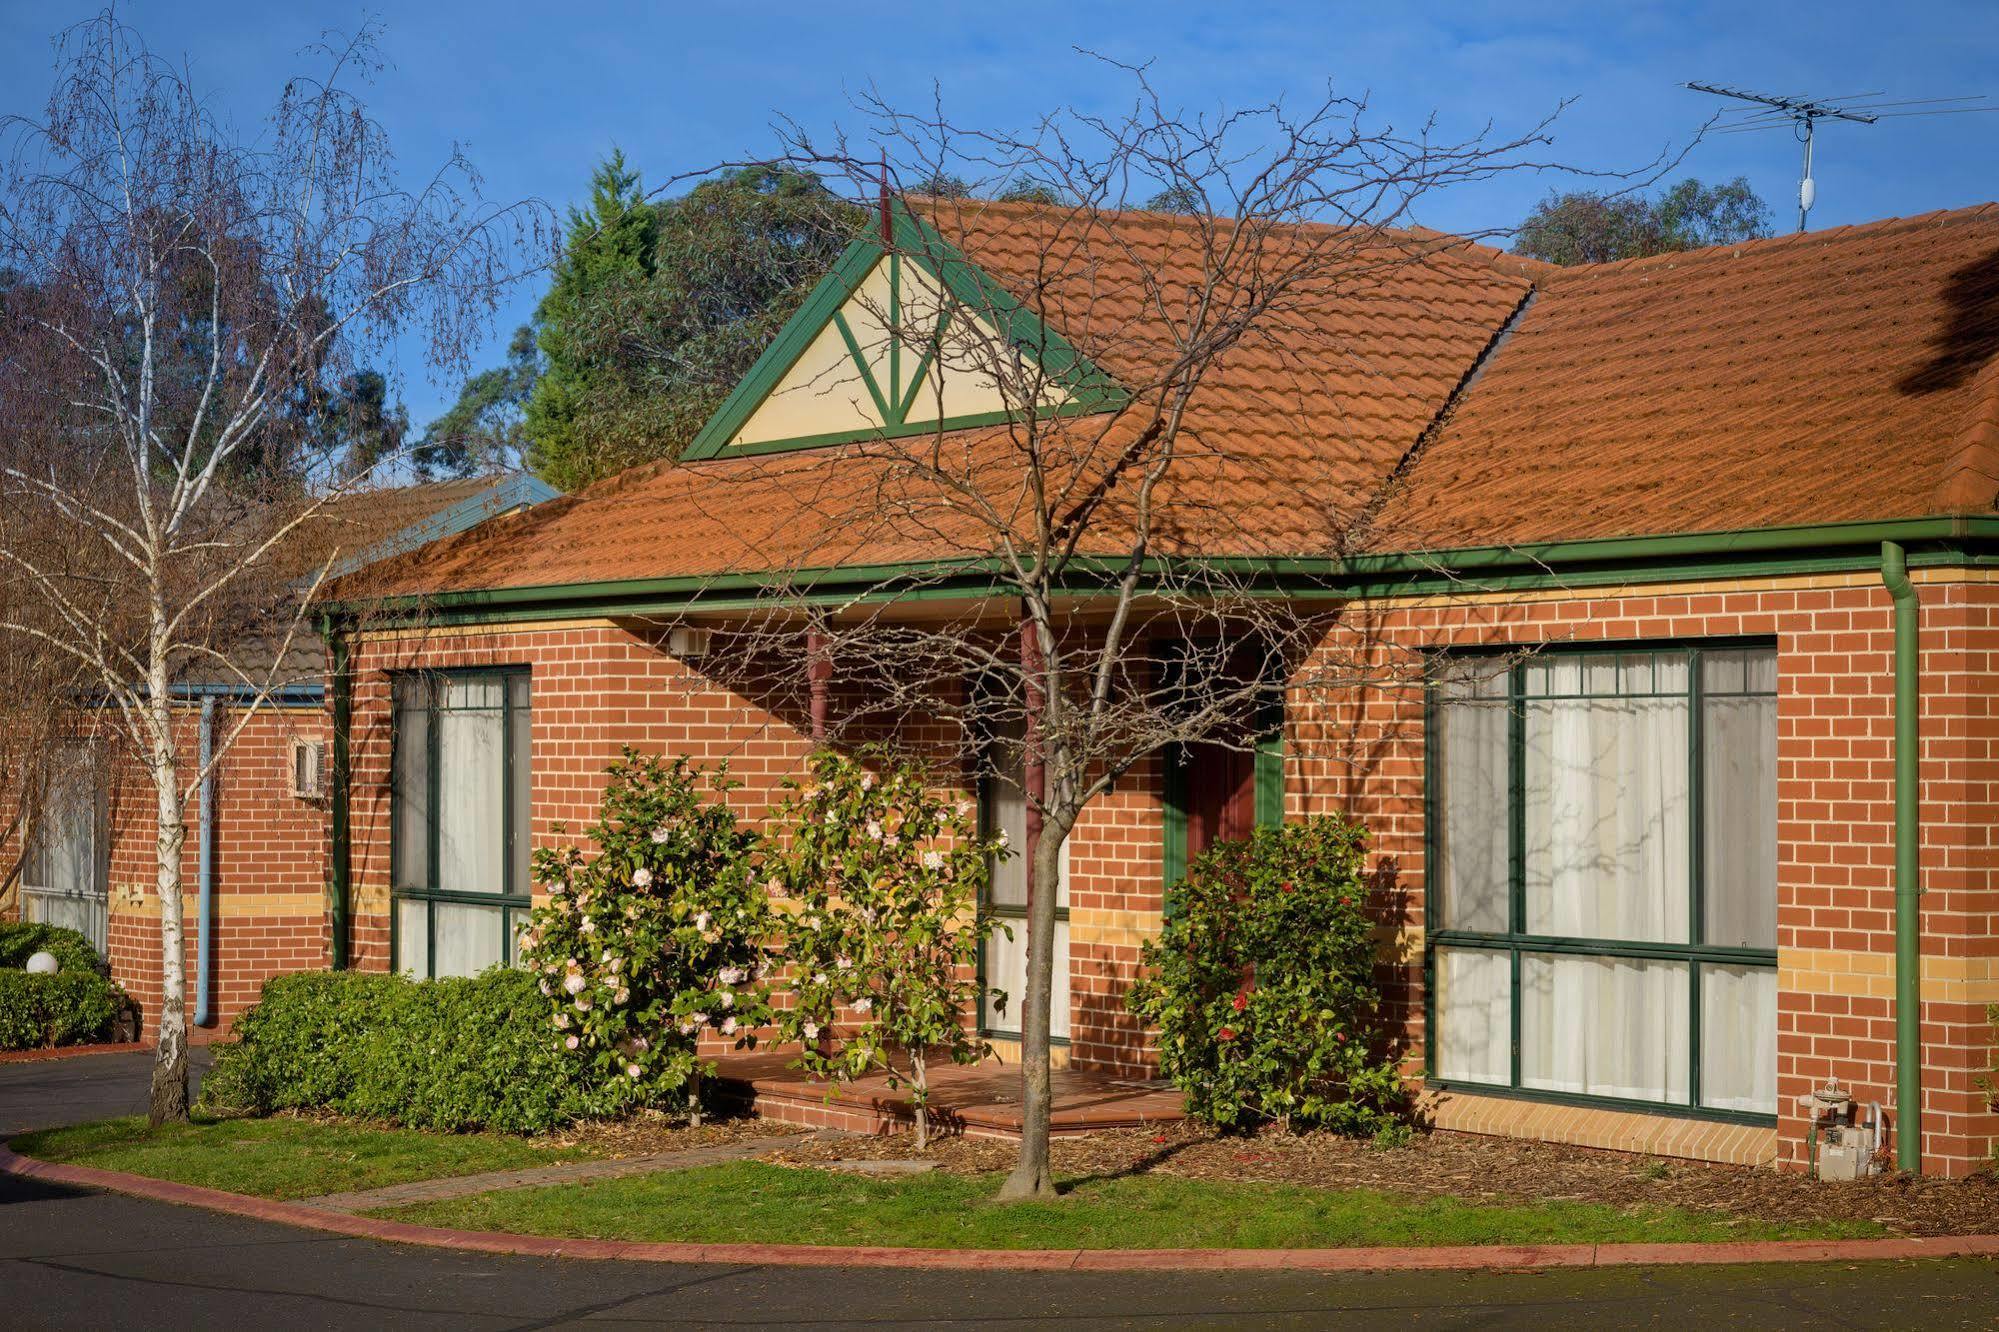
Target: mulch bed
(1467, 1166)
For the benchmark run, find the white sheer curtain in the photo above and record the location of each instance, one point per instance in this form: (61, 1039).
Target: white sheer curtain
(1739, 1038)
(1605, 1026)
(1739, 777)
(469, 939)
(65, 882)
(471, 784)
(1607, 808)
(1474, 1015)
(1474, 836)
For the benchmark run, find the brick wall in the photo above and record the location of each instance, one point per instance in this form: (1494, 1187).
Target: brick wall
(1361, 751)
(270, 869)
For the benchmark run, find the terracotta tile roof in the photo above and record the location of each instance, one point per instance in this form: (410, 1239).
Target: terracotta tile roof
(1838, 375)
(1845, 374)
(1308, 417)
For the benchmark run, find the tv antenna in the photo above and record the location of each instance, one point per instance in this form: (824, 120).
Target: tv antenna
(1763, 111)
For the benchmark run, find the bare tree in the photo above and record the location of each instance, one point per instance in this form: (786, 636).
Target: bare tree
(1127, 560)
(185, 303)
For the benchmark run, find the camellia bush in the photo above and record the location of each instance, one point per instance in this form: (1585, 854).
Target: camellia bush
(655, 939)
(1262, 985)
(883, 875)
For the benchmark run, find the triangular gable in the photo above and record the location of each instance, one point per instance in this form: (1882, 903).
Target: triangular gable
(892, 343)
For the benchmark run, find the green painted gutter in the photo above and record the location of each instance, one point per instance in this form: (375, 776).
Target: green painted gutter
(1908, 830)
(342, 838)
(1750, 552)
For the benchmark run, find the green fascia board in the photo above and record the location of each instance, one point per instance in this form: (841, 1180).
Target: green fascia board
(1755, 552)
(1089, 389)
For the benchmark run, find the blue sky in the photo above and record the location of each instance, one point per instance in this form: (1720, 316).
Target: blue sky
(538, 92)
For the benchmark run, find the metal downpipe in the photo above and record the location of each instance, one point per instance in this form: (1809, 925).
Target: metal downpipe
(204, 957)
(1908, 847)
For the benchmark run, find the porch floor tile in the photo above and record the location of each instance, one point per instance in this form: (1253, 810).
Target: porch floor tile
(982, 1101)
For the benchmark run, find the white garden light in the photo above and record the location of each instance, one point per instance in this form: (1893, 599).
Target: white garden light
(42, 964)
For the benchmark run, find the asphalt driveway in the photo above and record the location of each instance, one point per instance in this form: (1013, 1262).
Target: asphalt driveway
(73, 1258)
(48, 1093)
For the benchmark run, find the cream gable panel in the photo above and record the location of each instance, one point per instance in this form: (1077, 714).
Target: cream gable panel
(825, 393)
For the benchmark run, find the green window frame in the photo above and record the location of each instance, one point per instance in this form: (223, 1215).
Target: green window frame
(1515, 681)
(428, 894)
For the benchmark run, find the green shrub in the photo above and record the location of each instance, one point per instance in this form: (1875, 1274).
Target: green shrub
(66, 1008)
(22, 940)
(653, 941)
(78, 1003)
(1262, 985)
(452, 1054)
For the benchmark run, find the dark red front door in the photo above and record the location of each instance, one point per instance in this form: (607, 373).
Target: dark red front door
(1221, 796)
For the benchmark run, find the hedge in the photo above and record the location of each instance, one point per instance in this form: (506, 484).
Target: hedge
(21, 940)
(77, 1004)
(454, 1054)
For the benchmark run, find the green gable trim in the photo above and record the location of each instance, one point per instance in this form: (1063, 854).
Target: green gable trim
(1088, 389)
(825, 299)
(1951, 542)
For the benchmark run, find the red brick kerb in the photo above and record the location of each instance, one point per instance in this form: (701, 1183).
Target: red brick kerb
(1454, 1258)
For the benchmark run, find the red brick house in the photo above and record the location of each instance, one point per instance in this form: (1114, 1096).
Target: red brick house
(256, 854)
(1687, 562)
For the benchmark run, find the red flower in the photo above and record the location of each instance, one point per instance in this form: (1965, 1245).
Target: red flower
(1287, 886)
(1346, 901)
(1241, 1000)
(1225, 1034)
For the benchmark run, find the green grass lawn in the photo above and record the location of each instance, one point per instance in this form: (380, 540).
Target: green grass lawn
(749, 1201)
(284, 1158)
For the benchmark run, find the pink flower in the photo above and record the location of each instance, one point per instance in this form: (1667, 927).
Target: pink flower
(844, 963)
(622, 996)
(702, 920)
(933, 860)
(726, 999)
(660, 835)
(728, 1026)
(572, 1042)
(560, 1020)
(573, 983)
(812, 1031)
(632, 1071)
(582, 1003)
(641, 877)
(730, 975)
(863, 1004)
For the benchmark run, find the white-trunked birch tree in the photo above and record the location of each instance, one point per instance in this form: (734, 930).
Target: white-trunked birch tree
(185, 307)
(1091, 452)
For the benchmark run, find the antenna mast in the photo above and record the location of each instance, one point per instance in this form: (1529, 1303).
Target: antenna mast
(1802, 112)
(1765, 111)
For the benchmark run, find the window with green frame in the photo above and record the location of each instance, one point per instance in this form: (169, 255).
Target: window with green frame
(1602, 888)
(459, 840)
